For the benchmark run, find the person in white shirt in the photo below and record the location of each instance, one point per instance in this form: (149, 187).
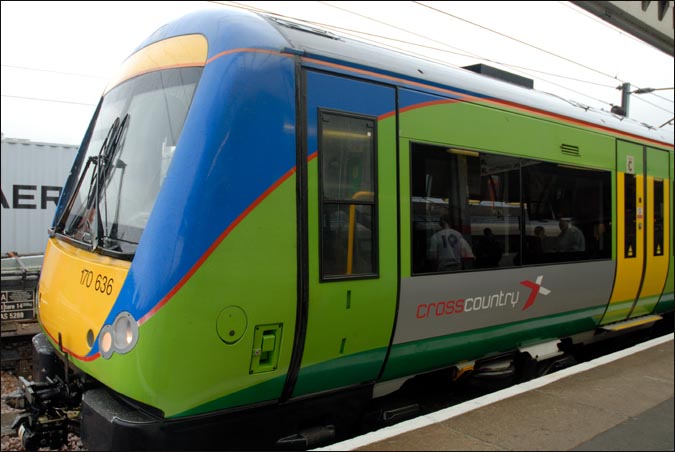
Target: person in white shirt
(449, 249)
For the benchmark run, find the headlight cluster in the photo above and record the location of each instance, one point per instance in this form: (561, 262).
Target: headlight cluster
(120, 337)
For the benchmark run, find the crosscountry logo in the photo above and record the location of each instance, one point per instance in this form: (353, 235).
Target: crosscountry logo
(536, 289)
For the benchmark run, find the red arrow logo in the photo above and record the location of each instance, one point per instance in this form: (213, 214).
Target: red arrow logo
(536, 289)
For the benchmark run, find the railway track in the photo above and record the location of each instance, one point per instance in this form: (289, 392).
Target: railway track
(16, 353)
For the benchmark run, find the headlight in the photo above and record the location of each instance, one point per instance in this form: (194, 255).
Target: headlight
(120, 338)
(105, 342)
(125, 332)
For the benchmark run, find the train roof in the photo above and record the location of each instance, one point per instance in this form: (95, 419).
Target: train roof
(312, 42)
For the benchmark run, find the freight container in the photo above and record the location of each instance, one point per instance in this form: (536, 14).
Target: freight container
(33, 175)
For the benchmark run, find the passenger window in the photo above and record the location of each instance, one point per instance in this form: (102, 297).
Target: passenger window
(475, 210)
(568, 213)
(347, 185)
(465, 209)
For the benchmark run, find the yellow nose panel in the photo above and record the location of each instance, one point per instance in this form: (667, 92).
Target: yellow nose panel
(77, 291)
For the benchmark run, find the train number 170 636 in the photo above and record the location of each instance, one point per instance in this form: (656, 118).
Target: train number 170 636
(100, 283)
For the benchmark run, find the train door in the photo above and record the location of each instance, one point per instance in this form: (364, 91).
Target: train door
(657, 231)
(352, 262)
(642, 199)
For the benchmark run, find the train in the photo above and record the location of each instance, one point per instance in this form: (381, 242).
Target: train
(269, 226)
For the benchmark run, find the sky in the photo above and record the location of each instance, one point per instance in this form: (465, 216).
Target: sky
(58, 56)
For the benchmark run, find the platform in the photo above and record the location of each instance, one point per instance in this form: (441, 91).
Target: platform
(622, 401)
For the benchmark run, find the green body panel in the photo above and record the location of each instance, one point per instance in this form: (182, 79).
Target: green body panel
(352, 319)
(404, 208)
(343, 371)
(472, 126)
(657, 163)
(645, 305)
(267, 390)
(335, 373)
(193, 370)
(421, 356)
(625, 149)
(667, 300)
(618, 311)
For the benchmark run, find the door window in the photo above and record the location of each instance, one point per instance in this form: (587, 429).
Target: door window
(348, 206)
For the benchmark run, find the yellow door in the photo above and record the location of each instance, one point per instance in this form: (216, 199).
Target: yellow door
(657, 231)
(642, 240)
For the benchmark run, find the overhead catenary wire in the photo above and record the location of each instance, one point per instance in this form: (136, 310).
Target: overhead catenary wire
(615, 29)
(51, 71)
(42, 99)
(641, 99)
(524, 71)
(462, 52)
(360, 34)
(459, 52)
(537, 48)
(548, 52)
(520, 41)
(541, 75)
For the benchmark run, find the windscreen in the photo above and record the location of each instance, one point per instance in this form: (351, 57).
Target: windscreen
(126, 160)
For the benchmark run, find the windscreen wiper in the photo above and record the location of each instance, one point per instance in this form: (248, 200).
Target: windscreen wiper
(100, 163)
(104, 172)
(66, 212)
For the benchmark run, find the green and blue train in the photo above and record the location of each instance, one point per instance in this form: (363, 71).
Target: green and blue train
(262, 227)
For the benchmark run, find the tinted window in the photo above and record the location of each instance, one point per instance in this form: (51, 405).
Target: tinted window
(568, 213)
(466, 210)
(476, 210)
(348, 194)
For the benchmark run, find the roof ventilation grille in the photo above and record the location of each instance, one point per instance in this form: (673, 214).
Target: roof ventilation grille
(569, 149)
